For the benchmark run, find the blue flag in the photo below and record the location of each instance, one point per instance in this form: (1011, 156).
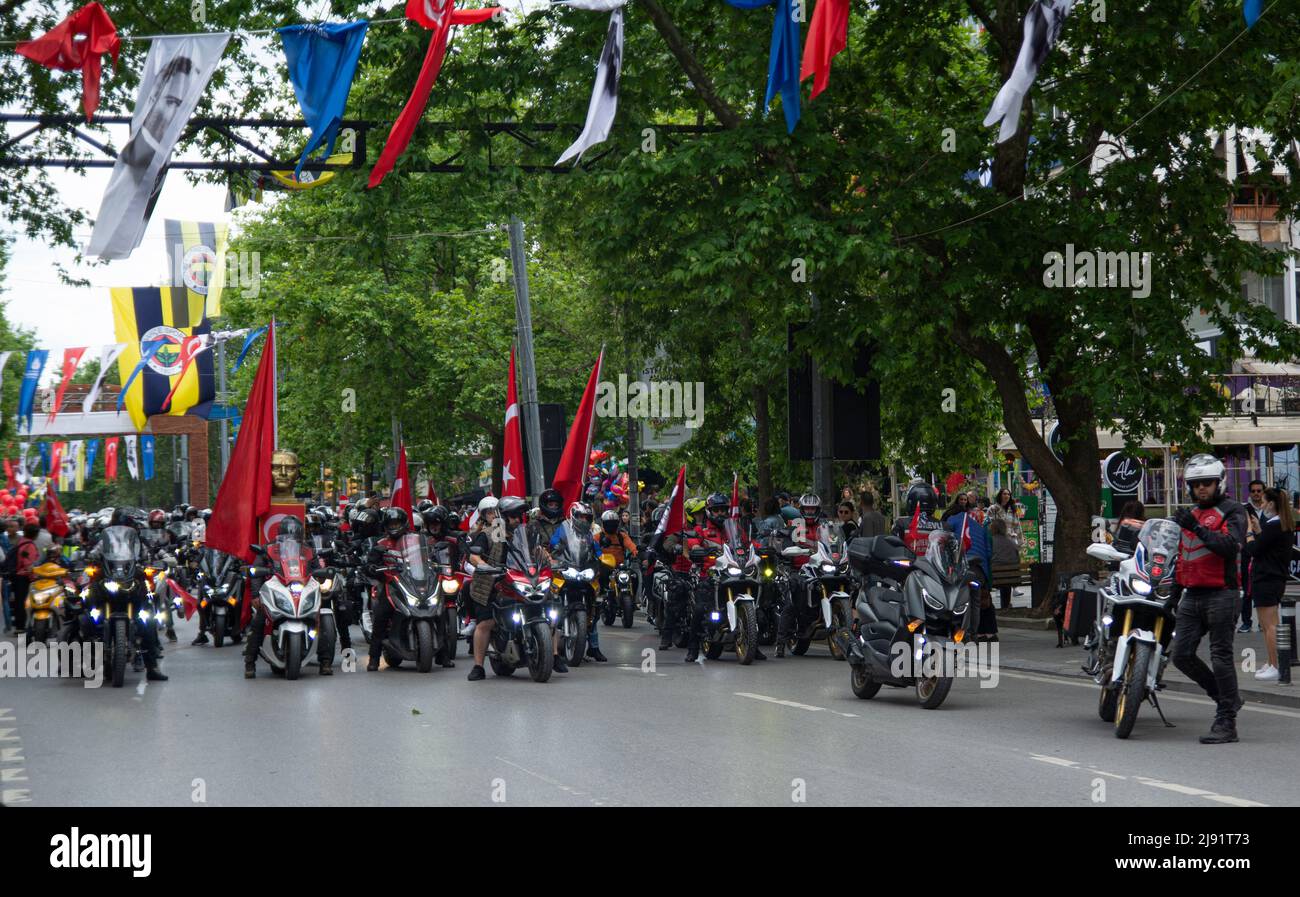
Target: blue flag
(36, 359)
(322, 62)
(92, 449)
(248, 344)
(146, 455)
(151, 349)
(44, 449)
(783, 58)
(1253, 9)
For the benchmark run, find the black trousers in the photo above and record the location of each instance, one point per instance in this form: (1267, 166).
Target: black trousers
(1245, 591)
(381, 618)
(256, 635)
(675, 607)
(1208, 612)
(18, 589)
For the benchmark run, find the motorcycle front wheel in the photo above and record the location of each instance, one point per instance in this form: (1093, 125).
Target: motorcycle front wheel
(218, 630)
(423, 646)
(120, 649)
(575, 646)
(862, 684)
(293, 651)
(932, 691)
(1107, 702)
(629, 610)
(452, 626)
(746, 632)
(542, 659)
(1133, 690)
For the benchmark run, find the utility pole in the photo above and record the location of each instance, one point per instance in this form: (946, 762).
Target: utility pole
(527, 369)
(821, 424)
(633, 425)
(223, 399)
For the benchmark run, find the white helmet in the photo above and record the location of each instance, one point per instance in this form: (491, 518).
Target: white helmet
(489, 503)
(1203, 467)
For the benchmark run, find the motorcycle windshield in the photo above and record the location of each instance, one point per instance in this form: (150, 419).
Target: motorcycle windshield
(830, 538)
(945, 554)
(577, 548)
(440, 554)
(291, 559)
(1159, 542)
(416, 567)
(154, 538)
(519, 552)
(736, 541)
(120, 544)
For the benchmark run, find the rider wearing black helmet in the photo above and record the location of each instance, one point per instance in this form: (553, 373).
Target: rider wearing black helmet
(551, 505)
(150, 645)
(396, 524)
(915, 526)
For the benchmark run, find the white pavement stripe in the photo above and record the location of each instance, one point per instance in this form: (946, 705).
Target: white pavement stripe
(770, 700)
(15, 796)
(13, 775)
(7, 735)
(1055, 761)
(1233, 801)
(11, 755)
(557, 784)
(1063, 763)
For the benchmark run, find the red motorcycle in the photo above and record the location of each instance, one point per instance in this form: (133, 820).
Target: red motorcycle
(297, 602)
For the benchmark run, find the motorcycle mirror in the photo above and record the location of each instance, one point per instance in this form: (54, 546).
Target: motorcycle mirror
(1103, 552)
(794, 551)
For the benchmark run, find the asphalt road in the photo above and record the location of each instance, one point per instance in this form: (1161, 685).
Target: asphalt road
(776, 733)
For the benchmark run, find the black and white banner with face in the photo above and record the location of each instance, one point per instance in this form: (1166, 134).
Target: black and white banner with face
(1042, 27)
(175, 75)
(604, 93)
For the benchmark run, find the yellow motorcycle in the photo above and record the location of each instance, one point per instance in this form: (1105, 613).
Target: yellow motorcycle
(47, 587)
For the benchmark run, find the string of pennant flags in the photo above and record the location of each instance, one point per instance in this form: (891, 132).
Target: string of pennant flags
(70, 464)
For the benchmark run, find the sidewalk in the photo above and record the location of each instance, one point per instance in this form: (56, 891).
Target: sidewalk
(1034, 650)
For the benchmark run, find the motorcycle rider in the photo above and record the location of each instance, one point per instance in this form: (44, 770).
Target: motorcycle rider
(915, 526)
(397, 523)
(436, 531)
(1208, 570)
(614, 540)
(551, 505)
(291, 529)
(579, 525)
(158, 541)
(805, 530)
(484, 549)
(150, 645)
(323, 545)
(712, 534)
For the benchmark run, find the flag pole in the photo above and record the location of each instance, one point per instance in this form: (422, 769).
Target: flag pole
(527, 371)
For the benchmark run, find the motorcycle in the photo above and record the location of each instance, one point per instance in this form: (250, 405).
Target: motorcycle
(42, 600)
(525, 612)
(122, 610)
(619, 598)
(1128, 660)
(293, 596)
(413, 588)
(773, 591)
(575, 583)
(217, 590)
(732, 619)
(906, 608)
(823, 604)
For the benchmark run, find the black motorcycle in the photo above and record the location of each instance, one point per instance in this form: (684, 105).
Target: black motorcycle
(619, 598)
(730, 618)
(217, 587)
(576, 563)
(821, 592)
(122, 611)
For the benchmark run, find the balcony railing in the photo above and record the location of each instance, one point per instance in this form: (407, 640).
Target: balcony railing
(1273, 395)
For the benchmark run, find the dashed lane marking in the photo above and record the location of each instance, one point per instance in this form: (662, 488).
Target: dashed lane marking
(1164, 695)
(555, 783)
(794, 704)
(1188, 790)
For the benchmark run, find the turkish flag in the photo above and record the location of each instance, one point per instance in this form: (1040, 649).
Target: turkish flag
(828, 34)
(402, 487)
(59, 48)
(56, 462)
(433, 495)
(55, 520)
(572, 470)
(110, 458)
(188, 602)
(512, 467)
(245, 493)
(438, 15)
(674, 519)
(735, 495)
(71, 358)
(191, 346)
(11, 481)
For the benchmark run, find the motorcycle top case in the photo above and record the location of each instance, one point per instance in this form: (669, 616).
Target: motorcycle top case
(1081, 600)
(879, 555)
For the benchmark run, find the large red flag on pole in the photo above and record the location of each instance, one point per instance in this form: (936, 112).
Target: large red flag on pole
(245, 493)
(512, 467)
(674, 519)
(402, 486)
(573, 463)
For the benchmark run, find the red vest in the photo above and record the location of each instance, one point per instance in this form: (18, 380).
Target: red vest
(1198, 567)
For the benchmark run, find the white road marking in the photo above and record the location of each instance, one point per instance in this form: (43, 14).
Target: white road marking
(770, 700)
(1152, 783)
(6, 715)
(13, 775)
(555, 783)
(1055, 761)
(15, 796)
(7, 735)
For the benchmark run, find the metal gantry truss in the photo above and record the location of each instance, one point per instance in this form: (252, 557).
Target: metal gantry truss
(261, 160)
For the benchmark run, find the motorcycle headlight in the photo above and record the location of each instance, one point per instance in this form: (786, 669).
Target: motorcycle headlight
(961, 609)
(94, 614)
(295, 589)
(85, 593)
(449, 586)
(518, 617)
(715, 616)
(144, 616)
(327, 584)
(553, 614)
(1139, 585)
(1107, 619)
(930, 600)
(829, 568)
(521, 588)
(544, 585)
(768, 572)
(111, 587)
(588, 575)
(622, 577)
(733, 571)
(310, 598)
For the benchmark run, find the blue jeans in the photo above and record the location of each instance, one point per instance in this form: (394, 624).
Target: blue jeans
(4, 601)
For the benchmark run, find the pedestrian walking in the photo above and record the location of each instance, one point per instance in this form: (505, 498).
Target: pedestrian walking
(1269, 538)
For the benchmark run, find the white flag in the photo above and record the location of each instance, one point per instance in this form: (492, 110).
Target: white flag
(4, 357)
(1042, 26)
(107, 356)
(132, 463)
(604, 93)
(176, 72)
(21, 474)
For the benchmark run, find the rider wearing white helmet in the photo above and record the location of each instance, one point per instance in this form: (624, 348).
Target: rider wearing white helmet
(1214, 531)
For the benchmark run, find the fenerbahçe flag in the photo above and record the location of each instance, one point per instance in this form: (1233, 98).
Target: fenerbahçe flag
(144, 315)
(196, 254)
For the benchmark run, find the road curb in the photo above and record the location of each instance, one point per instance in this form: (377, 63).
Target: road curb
(1038, 624)
(1251, 696)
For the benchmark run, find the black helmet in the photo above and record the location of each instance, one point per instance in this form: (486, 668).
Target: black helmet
(810, 506)
(206, 514)
(291, 529)
(717, 506)
(609, 522)
(126, 516)
(365, 522)
(435, 517)
(314, 523)
(424, 505)
(921, 495)
(512, 509)
(551, 503)
(396, 522)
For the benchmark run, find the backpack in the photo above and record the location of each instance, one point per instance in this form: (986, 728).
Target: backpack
(9, 565)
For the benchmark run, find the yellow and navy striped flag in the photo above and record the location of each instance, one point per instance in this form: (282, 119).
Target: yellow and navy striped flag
(143, 316)
(196, 253)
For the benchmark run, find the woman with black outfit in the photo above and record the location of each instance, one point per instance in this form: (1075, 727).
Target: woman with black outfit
(1269, 539)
